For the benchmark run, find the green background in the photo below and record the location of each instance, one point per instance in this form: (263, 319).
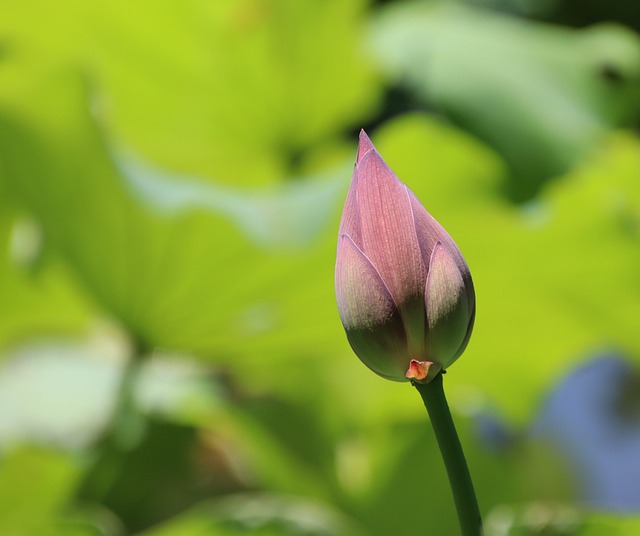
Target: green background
(171, 181)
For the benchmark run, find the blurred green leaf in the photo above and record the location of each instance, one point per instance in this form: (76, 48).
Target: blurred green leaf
(541, 518)
(544, 101)
(42, 382)
(35, 484)
(190, 280)
(259, 514)
(41, 385)
(256, 436)
(233, 90)
(38, 293)
(141, 486)
(608, 525)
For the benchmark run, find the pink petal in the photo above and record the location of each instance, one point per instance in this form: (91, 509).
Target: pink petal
(429, 233)
(364, 146)
(350, 221)
(447, 307)
(389, 240)
(369, 315)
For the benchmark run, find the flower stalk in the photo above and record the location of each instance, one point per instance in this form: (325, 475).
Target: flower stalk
(464, 496)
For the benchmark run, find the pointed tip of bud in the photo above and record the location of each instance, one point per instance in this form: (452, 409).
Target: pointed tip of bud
(418, 370)
(364, 145)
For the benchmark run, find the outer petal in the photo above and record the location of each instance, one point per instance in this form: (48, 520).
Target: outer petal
(364, 146)
(389, 240)
(350, 221)
(430, 232)
(447, 307)
(369, 315)
(465, 341)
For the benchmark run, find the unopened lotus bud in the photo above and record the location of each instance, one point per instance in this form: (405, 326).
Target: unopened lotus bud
(404, 291)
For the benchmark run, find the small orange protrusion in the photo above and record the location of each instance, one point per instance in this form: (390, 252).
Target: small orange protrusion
(418, 370)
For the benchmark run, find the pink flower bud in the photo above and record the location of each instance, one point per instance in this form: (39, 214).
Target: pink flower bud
(404, 291)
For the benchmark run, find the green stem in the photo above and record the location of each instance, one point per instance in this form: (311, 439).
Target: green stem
(464, 496)
(123, 429)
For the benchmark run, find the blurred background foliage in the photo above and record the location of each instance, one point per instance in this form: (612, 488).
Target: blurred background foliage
(171, 181)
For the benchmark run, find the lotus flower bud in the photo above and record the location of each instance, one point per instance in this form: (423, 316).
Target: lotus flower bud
(404, 291)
